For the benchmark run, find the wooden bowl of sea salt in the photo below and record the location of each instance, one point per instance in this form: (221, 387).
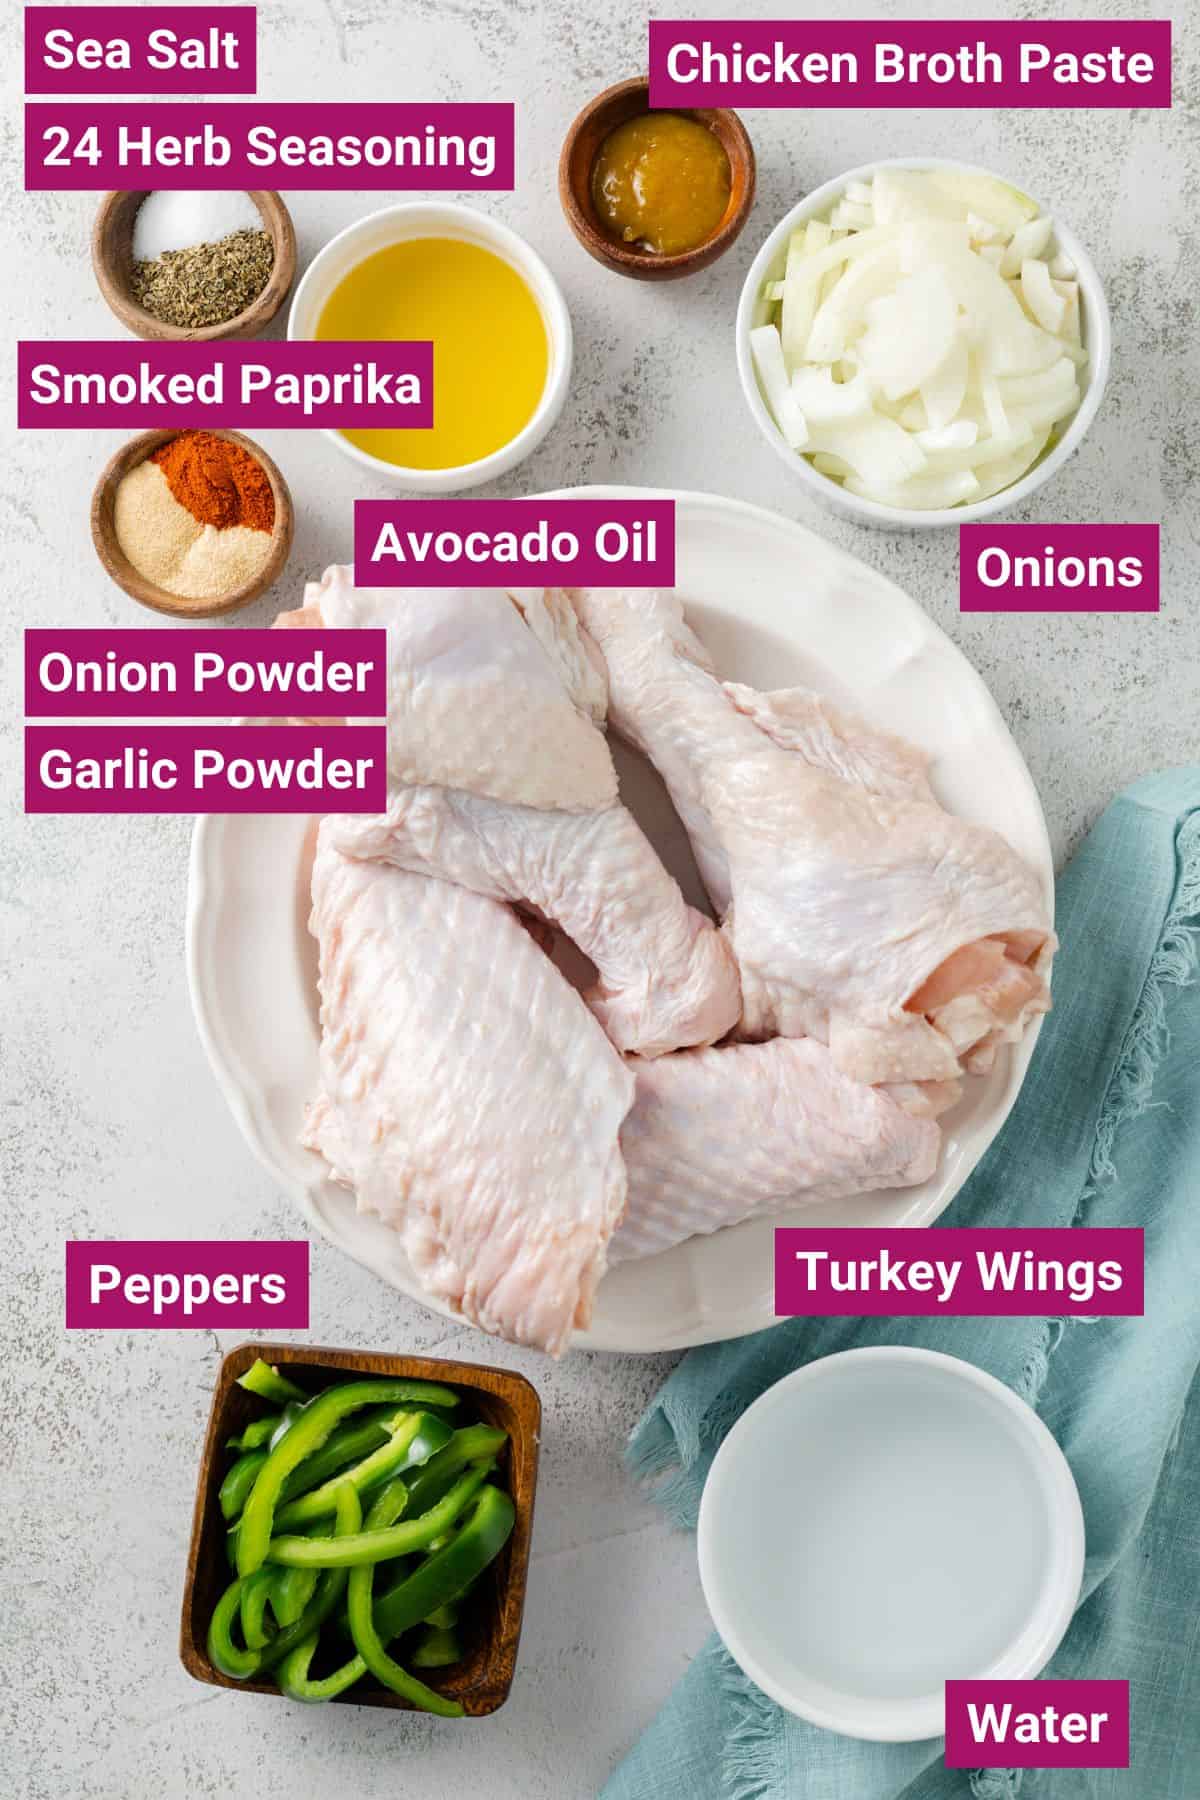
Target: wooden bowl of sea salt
(147, 505)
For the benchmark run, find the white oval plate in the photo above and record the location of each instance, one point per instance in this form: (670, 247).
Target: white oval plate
(776, 606)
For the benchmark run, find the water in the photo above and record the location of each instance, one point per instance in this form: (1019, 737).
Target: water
(883, 1532)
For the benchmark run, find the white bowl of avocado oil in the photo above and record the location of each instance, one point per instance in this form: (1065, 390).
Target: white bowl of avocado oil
(882, 1521)
(437, 270)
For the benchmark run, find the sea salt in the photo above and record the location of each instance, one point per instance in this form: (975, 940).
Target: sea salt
(167, 220)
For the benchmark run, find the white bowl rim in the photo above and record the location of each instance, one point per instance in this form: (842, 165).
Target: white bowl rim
(912, 1720)
(517, 251)
(1097, 326)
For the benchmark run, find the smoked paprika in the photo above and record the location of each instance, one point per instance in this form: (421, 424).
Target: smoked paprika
(220, 483)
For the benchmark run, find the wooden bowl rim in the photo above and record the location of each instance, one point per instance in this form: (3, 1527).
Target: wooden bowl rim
(726, 126)
(495, 1679)
(148, 593)
(248, 323)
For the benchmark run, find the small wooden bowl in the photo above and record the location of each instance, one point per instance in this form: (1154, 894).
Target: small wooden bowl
(627, 100)
(112, 260)
(491, 1622)
(148, 593)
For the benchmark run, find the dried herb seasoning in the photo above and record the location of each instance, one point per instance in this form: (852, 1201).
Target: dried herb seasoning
(206, 284)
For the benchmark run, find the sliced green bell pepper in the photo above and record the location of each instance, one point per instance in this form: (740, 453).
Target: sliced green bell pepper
(232, 1660)
(236, 1486)
(383, 1514)
(307, 1435)
(436, 1648)
(331, 1585)
(350, 1442)
(258, 1591)
(292, 1669)
(293, 1679)
(294, 1588)
(418, 1437)
(241, 1663)
(368, 1546)
(286, 1420)
(473, 1444)
(260, 1378)
(304, 1560)
(256, 1434)
(443, 1577)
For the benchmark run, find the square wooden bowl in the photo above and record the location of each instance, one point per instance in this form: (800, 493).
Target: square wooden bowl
(491, 1622)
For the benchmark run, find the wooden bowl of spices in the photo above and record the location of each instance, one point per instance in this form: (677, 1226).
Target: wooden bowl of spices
(655, 195)
(192, 523)
(192, 268)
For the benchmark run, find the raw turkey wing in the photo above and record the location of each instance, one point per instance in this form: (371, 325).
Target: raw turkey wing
(861, 912)
(468, 1097)
(718, 1136)
(500, 780)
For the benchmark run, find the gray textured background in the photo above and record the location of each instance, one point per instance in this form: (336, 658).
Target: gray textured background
(112, 1124)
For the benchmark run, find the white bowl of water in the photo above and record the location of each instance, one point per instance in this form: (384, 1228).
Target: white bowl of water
(883, 1521)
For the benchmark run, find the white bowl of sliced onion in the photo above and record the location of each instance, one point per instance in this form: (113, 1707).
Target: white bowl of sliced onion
(921, 344)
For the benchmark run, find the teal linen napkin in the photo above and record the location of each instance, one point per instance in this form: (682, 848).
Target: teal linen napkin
(1106, 1132)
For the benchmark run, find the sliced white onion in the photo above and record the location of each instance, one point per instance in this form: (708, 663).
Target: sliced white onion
(993, 407)
(903, 194)
(849, 246)
(851, 217)
(983, 231)
(1068, 291)
(931, 241)
(958, 436)
(889, 409)
(1047, 307)
(992, 313)
(880, 452)
(929, 338)
(801, 287)
(767, 352)
(817, 236)
(1005, 470)
(983, 195)
(924, 493)
(824, 401)
(1043, 350)
(910, 333)
(829, 281)
(1040, 413)
(843, 312)
(982, 454)
(1028, 240)
(1058, 378)
(1035, 349)
(944, 391)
